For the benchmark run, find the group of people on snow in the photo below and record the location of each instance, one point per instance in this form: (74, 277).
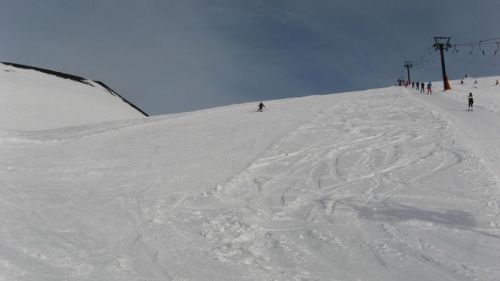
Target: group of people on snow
(417, 85)
(475, 82)
(421, 86)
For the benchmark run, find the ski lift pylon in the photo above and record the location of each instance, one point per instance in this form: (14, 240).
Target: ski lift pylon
(481, 49)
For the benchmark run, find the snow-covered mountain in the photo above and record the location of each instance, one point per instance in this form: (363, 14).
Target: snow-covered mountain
(386, 184)
(35, 99)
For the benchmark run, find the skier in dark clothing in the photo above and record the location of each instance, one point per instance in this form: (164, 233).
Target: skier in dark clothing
(429, 88)
(418, 85)
(422, 89)
(471, 102)
(261, 106)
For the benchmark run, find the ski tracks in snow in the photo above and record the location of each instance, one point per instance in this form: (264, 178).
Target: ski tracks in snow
(373, 186)
(364, 184)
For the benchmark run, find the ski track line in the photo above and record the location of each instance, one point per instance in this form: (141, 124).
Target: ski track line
(485, 147)
(479, 134)
(324, 200)
(303, 156)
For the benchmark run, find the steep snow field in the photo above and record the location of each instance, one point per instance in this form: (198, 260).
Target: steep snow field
(32, 100)
(385, 184)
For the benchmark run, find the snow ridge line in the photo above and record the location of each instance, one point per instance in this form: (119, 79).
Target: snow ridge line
(76, 79)
(112, 92)
(51, 72)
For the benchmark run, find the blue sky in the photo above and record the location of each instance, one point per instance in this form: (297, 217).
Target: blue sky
(181, 55)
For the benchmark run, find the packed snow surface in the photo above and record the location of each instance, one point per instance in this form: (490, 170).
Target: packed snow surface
(32, 100)
(387, 184)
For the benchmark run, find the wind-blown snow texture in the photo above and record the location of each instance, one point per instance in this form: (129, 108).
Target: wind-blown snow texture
(385, 184)
(36, 99)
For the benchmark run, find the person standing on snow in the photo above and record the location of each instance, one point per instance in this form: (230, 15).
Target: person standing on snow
(261, 106)
(422, 89)
(429, 88)
(471, 102)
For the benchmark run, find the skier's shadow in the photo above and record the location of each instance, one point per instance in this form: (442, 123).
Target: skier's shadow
(395, 213)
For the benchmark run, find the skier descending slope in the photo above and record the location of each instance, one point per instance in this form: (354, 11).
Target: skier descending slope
(261, 106)
(471, 102)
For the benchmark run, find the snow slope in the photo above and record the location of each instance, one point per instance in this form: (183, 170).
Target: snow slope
(385, 184)
(34, 100)
(486, 92)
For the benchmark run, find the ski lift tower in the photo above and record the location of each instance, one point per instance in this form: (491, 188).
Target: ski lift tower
(408, 65)
(442, 44)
